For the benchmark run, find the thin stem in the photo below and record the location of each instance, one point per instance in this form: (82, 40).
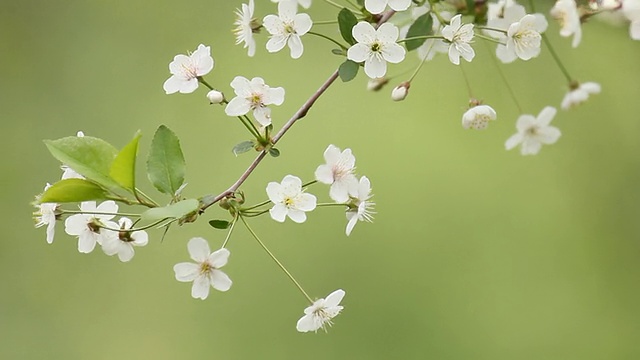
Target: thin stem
(233, 225)
(342, 7)
(137, 229)
(256, 206)
(424, 59)
(328, 38)
(98, 213)
(490, 28)
(420, 38)
(329, 204)
(488, 38)
(325, 22)
(556, 58)
(249, 127)
(466, 81)
(504, 78)
(155, 204)
(255, 236)
(204, 82)
(309, 183)
(255, 213)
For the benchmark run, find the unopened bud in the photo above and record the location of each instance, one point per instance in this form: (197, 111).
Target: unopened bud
(377, 83)
(400, 92)
(215, 97)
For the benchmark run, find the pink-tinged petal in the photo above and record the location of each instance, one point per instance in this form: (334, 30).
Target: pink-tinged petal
(334, 298)
(353, 219)
(548, 135)
(306, 202)
(324, 174)
(339, 190)
(530, 147)
(275, 192)
(525, 122)
(126, 252)
(200, 288)
(297, 216)
(513, 141)
(277, 43)
(399, 5)
(238, 106)
(295, 46)
(375, 67)
(172, 85)
(546, 115)
(375, 6)
(273, 24)
(198, 249)
(363, 32)
(358, 52)
(262, 114)
(302, 24)
(273, 96)
(219, 258)
(186, 272)
(220, 281)
(306, 324)
(393, 53)
(178, 64)
(241, 86)
(388, 32)
(278, 212)
(86, 243)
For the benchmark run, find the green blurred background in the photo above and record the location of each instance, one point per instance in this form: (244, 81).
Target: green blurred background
(475, 253)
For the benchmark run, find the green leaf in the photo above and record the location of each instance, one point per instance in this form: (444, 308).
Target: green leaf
(421, 27)
(89, 156)
(73, 190)
(274, 152)
(346, 21)
(173, 211)
(348, 70)
(243, 147)
(220, 224)
(123, 168)
(165, 165)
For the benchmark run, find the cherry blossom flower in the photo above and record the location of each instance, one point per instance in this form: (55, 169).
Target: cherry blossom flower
(401, 91)
(360, 206)
(254, 95)
(523, 37)
(496, 10)
(338, 171)
(125, 241)
(215, 97)
(69, 173)
(533, 132)
(509, 13)
(289, 200)
(631, 10)
(375, 48)
(88, 226)
(430, 47)
(459, 37)
(378, 6)
(321, 313)
(244, 27)
(566, 12)
(205, 273)
(478, 117)
(185, 70)
(287, 28)
(304, 3)
(579, 93)
(46, 215)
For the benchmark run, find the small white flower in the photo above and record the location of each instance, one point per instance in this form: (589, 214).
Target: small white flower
(69, 173)
(431, 47)
(206, 271)
(185, 70)
(523, 37)
(215, 97)
(46, 215)
(631, 10)
(88, 226)
(378, 6)
(509, 13)
(478, 117)
(123, 243)
(286, 28)
(496, 10)
(254, 95)
(566, 12)
(579, 93)
(244, 27)
(459, 36)
(304, 3)
(533, 132)
(321, 313)
(400, 92)
(289, 200)
(360, 206)
(375, 47)
(338, 171)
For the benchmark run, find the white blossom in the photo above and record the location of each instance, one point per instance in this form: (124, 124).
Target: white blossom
(321, 313)
(215, 97)
(88, 226)
(286, 28)
(566, 12)
(400, 92)
(125, 241)
(579, 93)
(534, 131)
(430, 47)
(185, 70)
(375, 48)
(289, 200)
(304, 3)
(378, 6)
(631, 10)
(478, 117)
(523, 37)
(509, 13)
(495, 10)
(459, 37)
(205, 272)
(244, 27)
(254, 96)
(360, 205)
(46, 215)
(338, 171)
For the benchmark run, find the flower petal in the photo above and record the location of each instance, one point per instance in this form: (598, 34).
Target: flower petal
(278, 212)
(297, 216)
(219, 258)
(375, 67)
(198, 249)
(359, 52)
(220, 281)
(200, 288)
(186, 272)
(238, 106)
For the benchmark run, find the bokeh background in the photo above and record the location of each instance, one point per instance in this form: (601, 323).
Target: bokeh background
(475, 252)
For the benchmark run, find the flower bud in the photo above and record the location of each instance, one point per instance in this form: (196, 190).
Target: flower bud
(215, 97)
(401, 91)
(377, 83)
